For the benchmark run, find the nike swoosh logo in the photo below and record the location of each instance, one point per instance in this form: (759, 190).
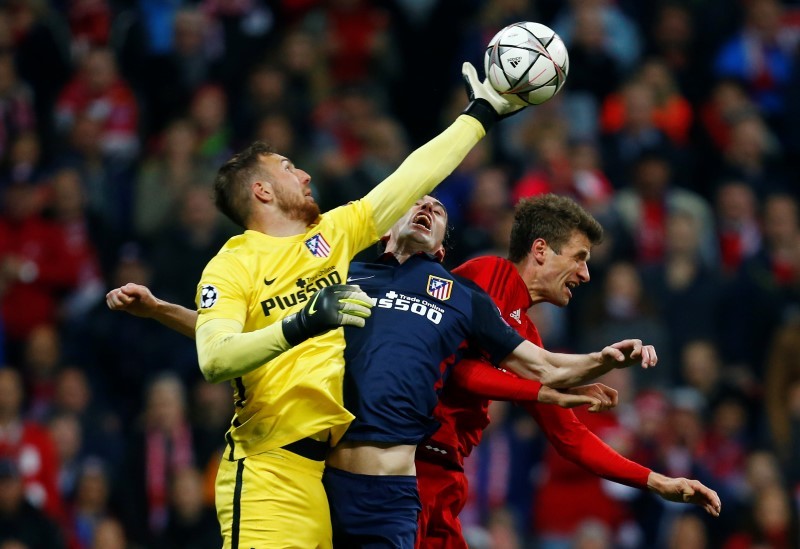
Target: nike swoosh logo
(351, 279)
(269, 282)
(312, 308)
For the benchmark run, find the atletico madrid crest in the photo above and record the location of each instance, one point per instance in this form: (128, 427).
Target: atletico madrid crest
(440, 288)
(318, 246)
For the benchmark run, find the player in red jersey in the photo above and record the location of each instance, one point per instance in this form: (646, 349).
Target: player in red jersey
(551, 242)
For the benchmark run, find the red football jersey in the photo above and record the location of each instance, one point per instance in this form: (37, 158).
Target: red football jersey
(463, 415)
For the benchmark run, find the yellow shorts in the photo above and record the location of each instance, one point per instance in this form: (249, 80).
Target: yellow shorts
(273, 500)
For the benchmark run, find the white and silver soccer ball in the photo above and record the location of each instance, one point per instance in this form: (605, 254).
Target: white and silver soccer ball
(527, 63)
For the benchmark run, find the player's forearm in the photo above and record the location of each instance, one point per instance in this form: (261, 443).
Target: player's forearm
(485, 380)
(225, 352)
(575, 442)
(175, 317)
(555, 370)
(425, 168)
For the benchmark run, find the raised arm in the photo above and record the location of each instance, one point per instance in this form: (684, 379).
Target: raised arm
(559, 370)
(427, 166)
(139, 301)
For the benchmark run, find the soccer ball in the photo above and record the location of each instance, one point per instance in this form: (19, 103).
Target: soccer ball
(527, 63)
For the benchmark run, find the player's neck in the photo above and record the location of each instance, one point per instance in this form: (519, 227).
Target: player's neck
(403, 250)
(278, 225)
(527, 270)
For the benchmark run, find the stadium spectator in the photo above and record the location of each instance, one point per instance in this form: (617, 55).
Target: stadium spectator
(782, 398)
(86, 243)
(100, 427)
(752, 155)
(623, 306)
(622, 36)
(24, 162)
(97, 91)
(208, 112)
(67, 435)
(17, 110)
(672, 113)
(636, 136)
(761, 296)
(683, 286)
(760, 56)
(162, 446)
(41, 360)
(191, 522)
(643, 210)
(28, 446)
(35, 265)
(194, 233)
(738, 228)
(356, 44)
(109, 534)
(687, 531)
(23, 525)
(90, 504)
(770, 521)
(190, 63)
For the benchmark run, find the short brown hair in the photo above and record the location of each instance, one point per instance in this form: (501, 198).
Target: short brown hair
(231, 185)
(553, 218)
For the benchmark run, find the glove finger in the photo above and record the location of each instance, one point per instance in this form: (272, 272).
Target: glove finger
(359, 299)
(352, 320)
(344, 291)
(356, 309)
(470, 77)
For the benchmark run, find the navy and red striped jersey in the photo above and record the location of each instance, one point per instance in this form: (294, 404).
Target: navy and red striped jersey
(398, 361)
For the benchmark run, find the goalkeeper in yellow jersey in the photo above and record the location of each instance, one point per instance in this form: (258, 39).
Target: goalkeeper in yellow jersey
(268, 303)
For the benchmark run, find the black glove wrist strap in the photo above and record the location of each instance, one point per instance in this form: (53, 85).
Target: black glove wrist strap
(293, 330)
(483, 112)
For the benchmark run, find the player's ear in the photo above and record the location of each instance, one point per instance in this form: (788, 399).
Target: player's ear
(539, 250)
(263, 191)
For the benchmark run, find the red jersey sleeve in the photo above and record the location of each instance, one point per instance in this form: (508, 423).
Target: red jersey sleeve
(575, 442)
(483, 379)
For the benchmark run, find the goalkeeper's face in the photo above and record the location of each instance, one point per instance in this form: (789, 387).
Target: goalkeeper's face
(292, 190)
(422, 228)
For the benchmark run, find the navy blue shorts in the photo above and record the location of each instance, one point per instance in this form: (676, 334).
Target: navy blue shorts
(372, 512)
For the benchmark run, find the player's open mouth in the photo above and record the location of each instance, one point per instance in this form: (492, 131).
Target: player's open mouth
(423, 221)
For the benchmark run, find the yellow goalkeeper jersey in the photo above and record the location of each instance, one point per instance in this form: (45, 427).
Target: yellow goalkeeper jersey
(257, 280)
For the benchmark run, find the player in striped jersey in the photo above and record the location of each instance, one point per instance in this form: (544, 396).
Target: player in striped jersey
(551, 242)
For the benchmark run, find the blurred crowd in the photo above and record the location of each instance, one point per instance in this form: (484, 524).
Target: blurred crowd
(678, 128)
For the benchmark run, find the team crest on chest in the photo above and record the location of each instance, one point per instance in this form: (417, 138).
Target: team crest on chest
(318, 246)
(440, 288)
